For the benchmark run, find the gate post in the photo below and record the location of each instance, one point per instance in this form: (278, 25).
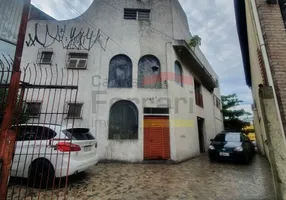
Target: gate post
(8, 137)
(275, 140)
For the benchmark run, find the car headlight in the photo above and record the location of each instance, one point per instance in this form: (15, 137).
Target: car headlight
(238, 149)
(211, 147)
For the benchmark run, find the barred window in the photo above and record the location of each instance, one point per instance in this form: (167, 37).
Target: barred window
(45, 57)
(74, 110)
(33, 109)
(123, 121)
(178, 73)
(120, 72)
(149, 72)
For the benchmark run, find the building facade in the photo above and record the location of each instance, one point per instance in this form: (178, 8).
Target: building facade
(261, 28)
(10, 16)
(143, 91)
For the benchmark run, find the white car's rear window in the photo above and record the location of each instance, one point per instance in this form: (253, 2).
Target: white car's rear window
(78, 134)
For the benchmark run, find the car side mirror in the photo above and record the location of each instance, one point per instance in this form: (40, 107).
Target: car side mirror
(211, 140)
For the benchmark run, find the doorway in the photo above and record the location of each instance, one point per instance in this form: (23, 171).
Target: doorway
(156, 138)
(201, 127)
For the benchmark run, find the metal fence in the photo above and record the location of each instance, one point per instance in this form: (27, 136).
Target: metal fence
(45, 111)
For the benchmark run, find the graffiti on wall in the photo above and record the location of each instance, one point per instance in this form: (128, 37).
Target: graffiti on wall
(73, 38)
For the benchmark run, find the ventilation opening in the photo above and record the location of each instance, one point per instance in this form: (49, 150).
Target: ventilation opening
(137, 14)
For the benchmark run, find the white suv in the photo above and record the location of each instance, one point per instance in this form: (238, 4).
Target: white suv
(45, 151)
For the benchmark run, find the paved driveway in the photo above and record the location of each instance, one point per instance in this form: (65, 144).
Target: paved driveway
(194, 179)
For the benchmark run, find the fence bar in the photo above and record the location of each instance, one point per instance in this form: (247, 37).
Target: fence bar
(8, 137)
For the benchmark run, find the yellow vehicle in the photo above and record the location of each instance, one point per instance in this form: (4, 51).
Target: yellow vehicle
(250, 132)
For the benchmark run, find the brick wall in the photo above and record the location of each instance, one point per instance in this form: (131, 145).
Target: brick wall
(275, 40)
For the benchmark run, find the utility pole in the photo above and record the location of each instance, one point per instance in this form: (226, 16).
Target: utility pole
(7, 136)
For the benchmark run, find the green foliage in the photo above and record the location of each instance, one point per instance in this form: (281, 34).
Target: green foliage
(22, 116)
(195, 41)
(231, 115)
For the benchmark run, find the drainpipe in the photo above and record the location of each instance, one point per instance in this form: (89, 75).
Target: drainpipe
(265, 60)
(167, 75)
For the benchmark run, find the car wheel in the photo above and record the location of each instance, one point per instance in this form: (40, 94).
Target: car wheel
(41, 174)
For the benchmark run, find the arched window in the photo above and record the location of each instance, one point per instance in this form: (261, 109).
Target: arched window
(123, 121)
(149, 72)
(120, 72)
(178, 73)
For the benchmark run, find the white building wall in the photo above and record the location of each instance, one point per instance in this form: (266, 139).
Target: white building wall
(135, 39)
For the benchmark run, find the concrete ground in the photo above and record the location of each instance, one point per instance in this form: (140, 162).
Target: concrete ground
(194, 179)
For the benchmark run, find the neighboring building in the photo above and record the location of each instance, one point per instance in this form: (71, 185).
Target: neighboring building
(143, 91)
(10, 17)
(261, 29)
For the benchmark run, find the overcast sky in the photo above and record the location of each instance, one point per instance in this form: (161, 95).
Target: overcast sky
(212, 20)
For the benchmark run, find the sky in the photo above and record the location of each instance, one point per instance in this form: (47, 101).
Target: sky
(212, 20)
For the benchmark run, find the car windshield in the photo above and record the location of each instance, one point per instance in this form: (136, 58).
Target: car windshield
(231, 137)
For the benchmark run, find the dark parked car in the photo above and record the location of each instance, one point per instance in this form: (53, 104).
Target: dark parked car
(231, 146)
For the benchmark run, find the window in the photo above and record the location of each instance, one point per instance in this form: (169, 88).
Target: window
(217, 102)
(74, 110)
(198, 94)
(46, 57)
(35, 133)
(120, 72)
(137, 14)
(78, 134)
(178, 73)
(77, 60)
(149, 72)
(156, 110)
(123, 121)
(33, 109)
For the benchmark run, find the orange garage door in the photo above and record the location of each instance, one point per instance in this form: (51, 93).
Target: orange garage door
(156, 138)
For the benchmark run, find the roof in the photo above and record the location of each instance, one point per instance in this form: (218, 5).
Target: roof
(240, 15)
(37, 14)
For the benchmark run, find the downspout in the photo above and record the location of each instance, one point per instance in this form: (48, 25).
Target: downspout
(265, 60)
(167, 75)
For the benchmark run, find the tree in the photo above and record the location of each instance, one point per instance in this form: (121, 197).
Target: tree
(22, 116)
(232, 116)
(195, 41)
